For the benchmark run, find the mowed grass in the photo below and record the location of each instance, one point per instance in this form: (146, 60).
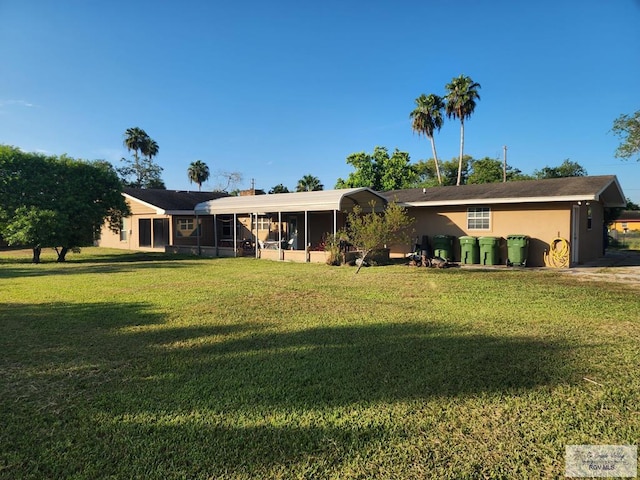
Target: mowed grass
(120, 365)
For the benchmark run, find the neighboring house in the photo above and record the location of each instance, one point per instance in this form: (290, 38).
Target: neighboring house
(285, 226)
(628, 221)
(159, 219)
(570, 208)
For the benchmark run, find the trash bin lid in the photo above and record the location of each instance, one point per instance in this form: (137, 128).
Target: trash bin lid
(518, 237)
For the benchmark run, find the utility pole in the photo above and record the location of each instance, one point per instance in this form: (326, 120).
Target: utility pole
(504, 165)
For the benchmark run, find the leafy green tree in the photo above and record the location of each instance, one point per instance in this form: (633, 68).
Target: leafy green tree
(631, 205)
(566, 169)
(462, 93)
(309, 183)
(379, 171)
(198, 172)
(280, 188)
(627, 127)
(141, 171)
(490, 170)
(34, 227)
(57, 202)
(426, 172)
(426, 119)
(370, 231)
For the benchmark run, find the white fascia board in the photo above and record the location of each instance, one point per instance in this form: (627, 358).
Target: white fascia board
(494, 201)
(180, 212)
(158, 210)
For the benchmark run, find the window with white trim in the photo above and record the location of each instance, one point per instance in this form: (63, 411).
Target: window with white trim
(186, 227)
(264, 223)
(478, 218)
(123, 230)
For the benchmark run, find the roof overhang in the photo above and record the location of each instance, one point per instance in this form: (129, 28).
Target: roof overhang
(158, 210)
(318, 201)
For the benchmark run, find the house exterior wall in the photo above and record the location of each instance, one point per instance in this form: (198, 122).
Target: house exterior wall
(129, 239)
(541, 222)
(622, 225)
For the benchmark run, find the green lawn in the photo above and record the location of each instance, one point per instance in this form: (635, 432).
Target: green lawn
(120, 365)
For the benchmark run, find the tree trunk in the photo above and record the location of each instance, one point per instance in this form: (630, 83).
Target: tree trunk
(435, 159)
(36, 254)
(62, 254)
(461, 150)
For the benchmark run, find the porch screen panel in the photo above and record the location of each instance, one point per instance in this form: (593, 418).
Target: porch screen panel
(160, 232)
(144, 232)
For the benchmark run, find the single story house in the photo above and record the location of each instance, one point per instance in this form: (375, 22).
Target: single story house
(294, 226)
(571, 208)
(159, 219)
(628, 221)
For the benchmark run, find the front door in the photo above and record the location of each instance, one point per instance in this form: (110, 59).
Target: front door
(575, 234)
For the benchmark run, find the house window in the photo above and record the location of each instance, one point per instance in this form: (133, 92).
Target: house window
(589, 217)
(264, 223)
(478, 218)
(186, 227)
(124, 230)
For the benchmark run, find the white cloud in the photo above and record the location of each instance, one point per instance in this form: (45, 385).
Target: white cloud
(20, 103)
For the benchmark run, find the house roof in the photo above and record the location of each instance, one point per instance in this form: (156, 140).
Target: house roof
(170, 201)
(604, 188)
(629, 216)
(318, 201)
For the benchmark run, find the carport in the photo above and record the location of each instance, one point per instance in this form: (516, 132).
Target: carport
(319, 212)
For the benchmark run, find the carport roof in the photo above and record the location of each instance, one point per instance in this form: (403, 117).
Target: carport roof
(318, 201)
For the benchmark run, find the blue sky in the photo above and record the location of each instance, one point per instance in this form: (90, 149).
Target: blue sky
(276, 90)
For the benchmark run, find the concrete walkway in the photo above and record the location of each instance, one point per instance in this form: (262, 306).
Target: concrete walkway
(621, 266)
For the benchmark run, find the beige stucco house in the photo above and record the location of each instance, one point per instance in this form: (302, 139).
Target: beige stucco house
(293, 226)
(570, 208)
(159, 219)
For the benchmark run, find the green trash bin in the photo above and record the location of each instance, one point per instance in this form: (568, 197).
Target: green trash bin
(517, 250)
(443, 247)
(469, 251)
(489, 250)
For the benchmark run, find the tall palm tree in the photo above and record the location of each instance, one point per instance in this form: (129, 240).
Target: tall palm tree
(309, 183)
(198, 172)
(426, 119)
(135, 139)
(150, 148)
(461, 102)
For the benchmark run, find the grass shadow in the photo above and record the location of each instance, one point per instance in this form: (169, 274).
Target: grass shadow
(110, 389)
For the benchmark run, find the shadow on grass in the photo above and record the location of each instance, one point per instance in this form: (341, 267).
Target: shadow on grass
(112, 389)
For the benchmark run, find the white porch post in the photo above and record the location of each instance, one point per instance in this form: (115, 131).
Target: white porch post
(335, 222)
(215, 233)
(255, 240)
(235, 234)
(199, 232)
(306, 236)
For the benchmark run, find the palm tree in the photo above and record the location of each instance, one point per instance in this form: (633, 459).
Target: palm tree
(461, 102)
(427, 118)
(198, 172)
(135, 140)
(150, 148)
(309, 183)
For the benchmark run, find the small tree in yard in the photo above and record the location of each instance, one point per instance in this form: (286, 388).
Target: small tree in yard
(370, 231)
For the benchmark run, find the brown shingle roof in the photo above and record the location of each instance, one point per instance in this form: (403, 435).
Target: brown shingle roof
(603, 188)
(172, 200)
(629, 216)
